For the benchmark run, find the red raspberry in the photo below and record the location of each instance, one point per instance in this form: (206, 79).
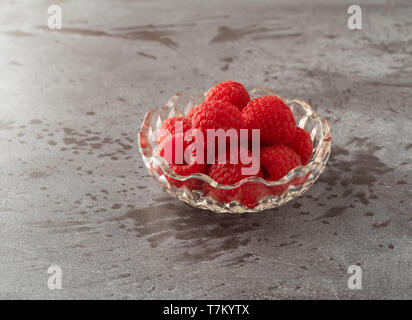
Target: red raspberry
(248, 194)
(191, 112)
(169, 127)
(177, 152)
(277, 161)
(229, 91)
(186, 170)
(217, 115)
(273, 117)
(302, 145)
(183, 168)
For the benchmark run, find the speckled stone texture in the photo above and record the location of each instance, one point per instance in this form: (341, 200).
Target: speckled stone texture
(74, 192)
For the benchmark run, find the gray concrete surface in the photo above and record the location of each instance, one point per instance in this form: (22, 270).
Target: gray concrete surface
(73, 190)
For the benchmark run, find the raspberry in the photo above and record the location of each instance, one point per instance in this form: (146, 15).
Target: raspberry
(191, 112)
(276, 162)
(302, 145)
(217, 115)
(248, 194)
(229, 91)
(176, 145)
(178, 164)
(186, 170)
(169, 127)
(273, 117)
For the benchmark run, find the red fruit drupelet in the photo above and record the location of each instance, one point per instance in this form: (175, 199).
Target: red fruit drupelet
(191, 112)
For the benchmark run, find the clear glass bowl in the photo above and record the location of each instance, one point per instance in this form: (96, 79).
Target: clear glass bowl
(294, 184)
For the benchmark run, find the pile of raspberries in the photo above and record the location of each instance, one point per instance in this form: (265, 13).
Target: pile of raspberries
(283, 145)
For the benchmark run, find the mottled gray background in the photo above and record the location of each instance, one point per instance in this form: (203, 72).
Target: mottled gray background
(73, 190)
